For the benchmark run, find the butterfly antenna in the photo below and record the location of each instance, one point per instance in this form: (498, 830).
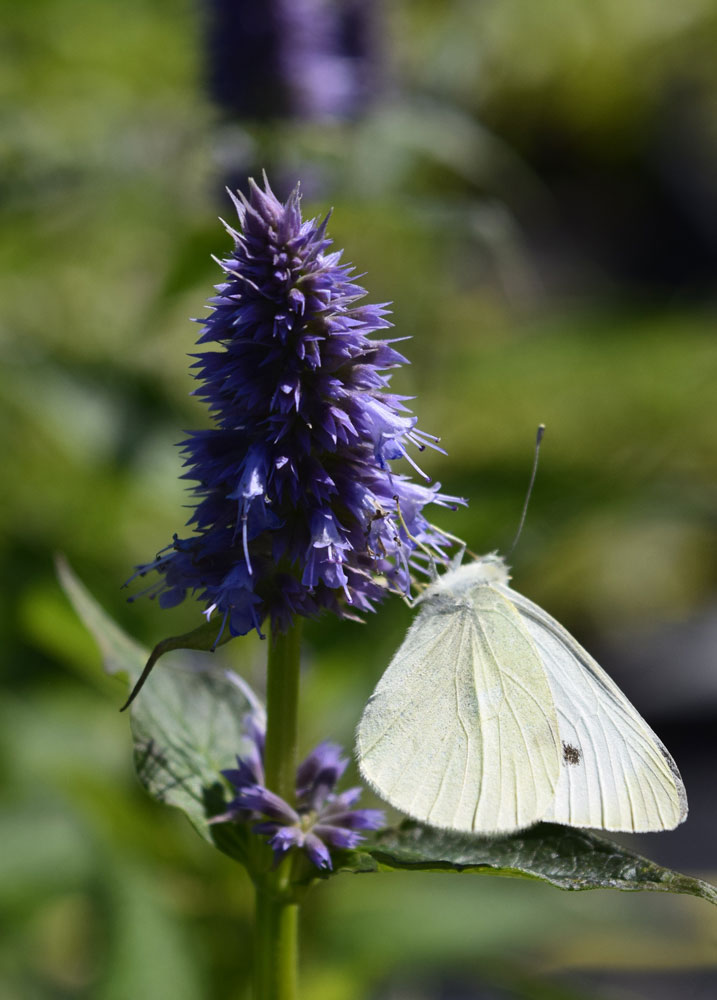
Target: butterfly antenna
(538, 439)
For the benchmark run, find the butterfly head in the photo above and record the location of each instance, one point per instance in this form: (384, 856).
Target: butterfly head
(488, 569)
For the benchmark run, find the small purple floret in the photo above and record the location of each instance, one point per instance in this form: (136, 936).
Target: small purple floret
(320, 817)
(297, 508)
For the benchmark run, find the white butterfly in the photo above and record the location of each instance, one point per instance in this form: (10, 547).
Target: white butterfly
(491, 717)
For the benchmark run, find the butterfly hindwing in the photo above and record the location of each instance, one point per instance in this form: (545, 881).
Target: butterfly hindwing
(461, 731)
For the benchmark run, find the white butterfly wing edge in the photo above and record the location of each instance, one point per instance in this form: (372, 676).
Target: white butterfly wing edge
(617, 774)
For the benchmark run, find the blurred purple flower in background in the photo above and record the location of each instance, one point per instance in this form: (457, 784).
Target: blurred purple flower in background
(303, 59)
(298, 509)
(320, 818)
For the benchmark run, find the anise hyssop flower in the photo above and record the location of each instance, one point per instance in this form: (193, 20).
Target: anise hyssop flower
(297, 506)
(320, 818)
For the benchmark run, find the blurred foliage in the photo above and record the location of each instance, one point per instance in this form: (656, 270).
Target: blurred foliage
(112, 163)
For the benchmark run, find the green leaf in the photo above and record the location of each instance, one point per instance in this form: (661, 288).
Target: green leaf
(204, 638)
(565, 857)
(120, 653)
(186, 726)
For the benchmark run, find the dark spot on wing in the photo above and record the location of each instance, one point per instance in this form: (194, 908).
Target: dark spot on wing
(571, 754)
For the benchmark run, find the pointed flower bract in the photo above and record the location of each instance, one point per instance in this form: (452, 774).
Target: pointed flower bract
(297, 507)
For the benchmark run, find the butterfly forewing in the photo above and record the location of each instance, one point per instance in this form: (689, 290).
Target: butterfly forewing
(616, 774)
(461, 731)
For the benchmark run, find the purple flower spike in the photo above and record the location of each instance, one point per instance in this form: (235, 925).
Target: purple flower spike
(297, 508)
(320, 818)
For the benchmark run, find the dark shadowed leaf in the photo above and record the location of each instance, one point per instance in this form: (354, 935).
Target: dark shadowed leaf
(564, 857)
(186, 724)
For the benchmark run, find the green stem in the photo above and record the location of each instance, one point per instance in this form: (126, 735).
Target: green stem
(282, 700)
(276, 948)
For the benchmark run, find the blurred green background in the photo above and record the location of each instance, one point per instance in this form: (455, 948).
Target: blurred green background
(534, 187)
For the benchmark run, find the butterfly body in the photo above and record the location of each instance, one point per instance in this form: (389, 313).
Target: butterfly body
(491, 718)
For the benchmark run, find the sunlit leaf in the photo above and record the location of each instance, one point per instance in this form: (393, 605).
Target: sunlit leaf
(186, 723)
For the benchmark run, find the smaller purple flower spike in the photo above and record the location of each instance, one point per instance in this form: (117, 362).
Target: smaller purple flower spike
(320, 819)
